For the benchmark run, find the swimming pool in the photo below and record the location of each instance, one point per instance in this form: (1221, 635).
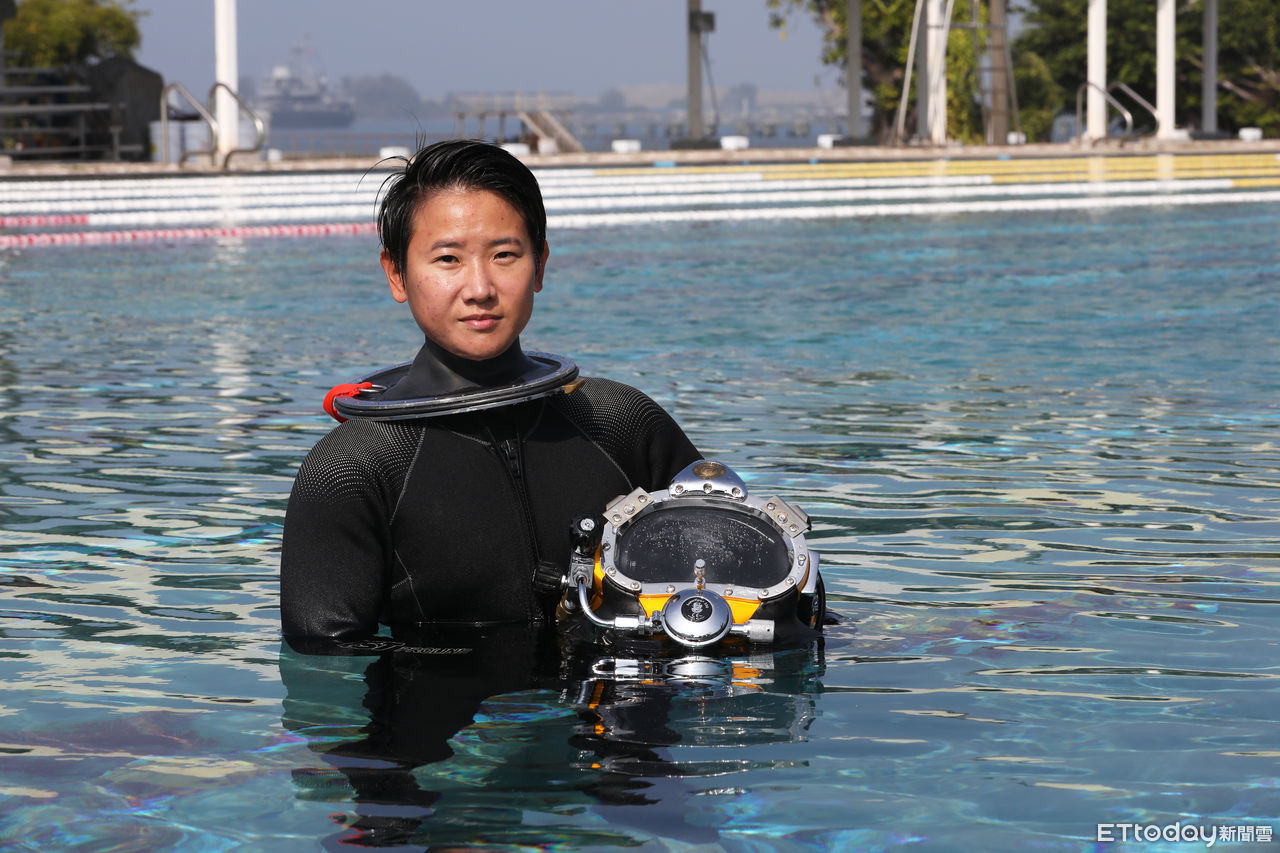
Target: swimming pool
(1039, 450)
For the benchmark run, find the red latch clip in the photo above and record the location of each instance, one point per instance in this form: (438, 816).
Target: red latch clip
(346, 389)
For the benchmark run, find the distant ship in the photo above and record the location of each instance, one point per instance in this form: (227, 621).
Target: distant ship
(297, 97)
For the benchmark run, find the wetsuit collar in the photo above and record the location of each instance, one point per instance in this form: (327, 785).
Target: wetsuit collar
(436, 372)
(438, 382)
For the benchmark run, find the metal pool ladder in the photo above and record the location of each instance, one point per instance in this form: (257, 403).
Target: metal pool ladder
(207, 115)
(1106, 93)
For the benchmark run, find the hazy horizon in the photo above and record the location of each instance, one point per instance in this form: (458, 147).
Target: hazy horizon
(582, 47)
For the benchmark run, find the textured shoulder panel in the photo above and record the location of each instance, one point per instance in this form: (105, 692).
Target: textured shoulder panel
(638, 434)
(356, 458)
(613, 415)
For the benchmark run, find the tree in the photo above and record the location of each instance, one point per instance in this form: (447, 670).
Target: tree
(383, 96)
(47, 33)
(886, 34)
(1057, 36)
(1248, 57)
(1249, 67)
(1050, 59)
(1040, 98)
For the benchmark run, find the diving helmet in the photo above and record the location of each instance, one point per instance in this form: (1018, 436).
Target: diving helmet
(699, 562)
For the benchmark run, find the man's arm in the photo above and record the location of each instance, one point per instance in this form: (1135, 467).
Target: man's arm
(337, 538)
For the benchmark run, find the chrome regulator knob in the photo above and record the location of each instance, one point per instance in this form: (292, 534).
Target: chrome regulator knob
(696, 617)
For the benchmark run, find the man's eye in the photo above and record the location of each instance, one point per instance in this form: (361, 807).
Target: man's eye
(446, 259)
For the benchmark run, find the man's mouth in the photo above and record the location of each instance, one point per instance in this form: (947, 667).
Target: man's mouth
(481, 322)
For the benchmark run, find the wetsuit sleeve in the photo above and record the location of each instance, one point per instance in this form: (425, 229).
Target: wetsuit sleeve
(640, 436)
(337, 536)
(667, 450)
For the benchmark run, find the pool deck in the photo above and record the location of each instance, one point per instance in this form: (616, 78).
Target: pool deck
(704, 157)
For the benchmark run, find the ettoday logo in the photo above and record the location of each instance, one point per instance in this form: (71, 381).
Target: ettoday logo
(1178, 831)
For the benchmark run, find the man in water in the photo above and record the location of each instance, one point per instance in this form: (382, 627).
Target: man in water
(462, 517)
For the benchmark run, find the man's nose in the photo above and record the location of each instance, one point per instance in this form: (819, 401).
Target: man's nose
(479, 286)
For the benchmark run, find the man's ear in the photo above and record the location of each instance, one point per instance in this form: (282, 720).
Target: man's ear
(394, 280)
(542, 267)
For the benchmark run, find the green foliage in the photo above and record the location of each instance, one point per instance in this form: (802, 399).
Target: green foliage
(1057, 34)
(1248, 57)
(1039, 95)
(886, 36)
(1050, 59)
(964, 111)
(48, 33)
(1248, 65)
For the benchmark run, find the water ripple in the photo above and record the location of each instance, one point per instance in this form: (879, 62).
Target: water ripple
(1043, 489)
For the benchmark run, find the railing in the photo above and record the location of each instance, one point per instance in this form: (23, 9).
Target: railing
(200, 110)
(1143, 102)
(546, 125)
(50, 117)
(258, 123)
(207, 116)
(1106, 93)
(344, 143)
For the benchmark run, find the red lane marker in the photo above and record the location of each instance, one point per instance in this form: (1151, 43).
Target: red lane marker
(44, 220)
(94, 238)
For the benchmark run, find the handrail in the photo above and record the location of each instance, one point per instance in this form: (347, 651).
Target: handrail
(544, 123)
(204, 114)
(55, 109)
(207, 115)
(258, 123)
(1128, 117)
(1143, 102)
(900, 120)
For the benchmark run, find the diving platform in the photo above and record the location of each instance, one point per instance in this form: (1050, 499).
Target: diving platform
(541, 120)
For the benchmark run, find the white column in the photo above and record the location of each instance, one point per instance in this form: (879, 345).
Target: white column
(1001, 76)
(1096, 110)
(935, 77)
(694, 111)
(853, 68)
(1209, 92)
(1166, 10)
(226, 70)
(922, 70)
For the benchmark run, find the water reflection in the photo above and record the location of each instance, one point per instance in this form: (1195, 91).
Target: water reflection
(1043, 485)
(552, 727)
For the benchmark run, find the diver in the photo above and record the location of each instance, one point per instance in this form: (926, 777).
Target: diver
(448, 499)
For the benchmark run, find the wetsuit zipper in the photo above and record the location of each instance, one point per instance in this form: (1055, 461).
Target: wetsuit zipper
(509, 450)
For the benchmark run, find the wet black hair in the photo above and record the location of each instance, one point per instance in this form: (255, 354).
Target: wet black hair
(458, 164)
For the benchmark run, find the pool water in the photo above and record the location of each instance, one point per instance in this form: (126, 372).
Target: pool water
(1040, 453)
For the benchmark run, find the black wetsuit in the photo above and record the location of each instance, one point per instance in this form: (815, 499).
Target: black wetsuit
(446, 519)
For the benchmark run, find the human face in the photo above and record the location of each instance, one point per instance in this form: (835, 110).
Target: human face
(470, 272)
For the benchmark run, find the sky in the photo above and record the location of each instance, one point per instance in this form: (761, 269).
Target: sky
(583, 47)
